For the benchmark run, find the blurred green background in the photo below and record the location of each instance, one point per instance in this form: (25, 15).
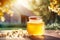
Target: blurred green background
(38, 8)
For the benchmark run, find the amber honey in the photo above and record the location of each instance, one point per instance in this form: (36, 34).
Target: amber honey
(35, 27)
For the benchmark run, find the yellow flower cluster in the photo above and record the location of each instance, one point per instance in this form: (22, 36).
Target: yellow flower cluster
(55, 6)
(5, 7)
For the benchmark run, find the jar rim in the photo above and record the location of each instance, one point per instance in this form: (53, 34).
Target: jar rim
(35, 17)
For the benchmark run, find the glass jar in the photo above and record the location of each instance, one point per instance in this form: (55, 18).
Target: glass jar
(35, 26)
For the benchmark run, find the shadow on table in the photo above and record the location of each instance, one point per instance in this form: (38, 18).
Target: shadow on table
(46, 37)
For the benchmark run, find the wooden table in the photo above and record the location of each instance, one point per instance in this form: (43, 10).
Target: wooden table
(49, 35)
(52, 35)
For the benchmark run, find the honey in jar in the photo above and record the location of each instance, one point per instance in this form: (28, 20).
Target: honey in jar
(35, 26)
